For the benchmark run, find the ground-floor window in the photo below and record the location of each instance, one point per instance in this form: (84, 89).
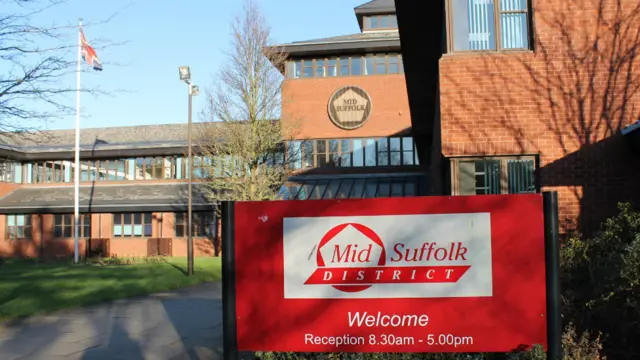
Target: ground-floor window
(493, 175)
(19, 227)
(132, 224)
(63, 226)
(203, 224)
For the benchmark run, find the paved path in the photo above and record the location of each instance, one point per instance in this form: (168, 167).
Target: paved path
(177, 325)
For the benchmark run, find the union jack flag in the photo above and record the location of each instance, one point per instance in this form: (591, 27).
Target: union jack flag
(89, 54)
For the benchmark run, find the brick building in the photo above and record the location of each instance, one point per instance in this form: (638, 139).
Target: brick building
(133, 193)
(451, 97)
(527, 95)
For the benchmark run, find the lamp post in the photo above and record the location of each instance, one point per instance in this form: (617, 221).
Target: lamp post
(185, 75)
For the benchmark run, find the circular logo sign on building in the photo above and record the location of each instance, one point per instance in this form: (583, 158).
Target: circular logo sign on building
(349, 107)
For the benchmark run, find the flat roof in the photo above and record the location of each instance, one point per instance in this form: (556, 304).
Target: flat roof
(370, 41)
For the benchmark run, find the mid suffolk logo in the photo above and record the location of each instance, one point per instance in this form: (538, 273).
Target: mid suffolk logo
(405, 256)
(350, 107)
(349, 268)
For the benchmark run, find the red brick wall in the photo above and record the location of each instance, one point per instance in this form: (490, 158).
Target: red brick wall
(560, 101)
(305, 103)
(44, 244)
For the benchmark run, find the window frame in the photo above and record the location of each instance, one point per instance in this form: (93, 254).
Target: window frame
(362, 58)
(454, 171)
(497, 11)
(84, 228)
(122, 225)
(28, 224)
(349, 154)
(199, 227)
(366, 22)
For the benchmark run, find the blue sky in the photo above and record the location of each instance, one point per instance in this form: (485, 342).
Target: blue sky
(163, 35)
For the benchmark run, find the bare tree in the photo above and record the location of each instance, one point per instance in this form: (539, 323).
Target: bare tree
(34, 62)
(241, 130)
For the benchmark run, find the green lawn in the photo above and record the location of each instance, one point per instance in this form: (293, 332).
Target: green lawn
(30, 288)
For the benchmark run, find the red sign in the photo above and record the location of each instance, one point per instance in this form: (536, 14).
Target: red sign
(422, 274)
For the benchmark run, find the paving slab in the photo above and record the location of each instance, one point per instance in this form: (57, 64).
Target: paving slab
(181, 324)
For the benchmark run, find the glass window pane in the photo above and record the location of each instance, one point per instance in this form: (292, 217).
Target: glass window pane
(394, 144)
(358, 153)
(381, 66)
(369, 65)
(370, 153)
(397, 189)
(374, 22)
(513, 5)
(466, 176)
(514, 31)
(393, 21)
(57, 231)
(345, 188)
(358, 189)
(393, 64)
(11, 220)
(68, 231)
(307, 154)
(332, 189)
(321, 146)
(147, 230)
(138, 230)
(384, 190)
(332, 67)
(384, 21)
(308, 68)
(126, 218)
(344, 67)
(20, 220)
(410, 189)
(521, 176)
(356, 65)
(137, 219)
(298, 69)
(57, 220)
(371, 189)
(473, 25)
(395, 158)
(320, 69)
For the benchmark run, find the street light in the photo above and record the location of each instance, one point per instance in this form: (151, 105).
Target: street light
(185, 75)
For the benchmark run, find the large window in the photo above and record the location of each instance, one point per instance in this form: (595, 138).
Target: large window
(367, 186)
(371, 64)
(393, 151)
(132, 224)
(480, 25)
(63, 226)
(203, 224)
(487, 176)
(19, 227)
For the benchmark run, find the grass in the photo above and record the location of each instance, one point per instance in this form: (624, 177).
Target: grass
(28, 288)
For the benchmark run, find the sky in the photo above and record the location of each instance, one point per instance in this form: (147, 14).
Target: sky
(164, 34)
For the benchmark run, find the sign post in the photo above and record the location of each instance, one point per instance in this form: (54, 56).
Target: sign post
(419, 274)
(229, 333)
(552, 260)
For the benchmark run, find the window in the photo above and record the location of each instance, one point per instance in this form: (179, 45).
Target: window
(380, 22)
(19, 227)
(63, 226)
(357, 65)
(487, 176)
(132, 224)
(368, 186)
(344, 67)
(478, 25)
(393, 151)
(203, 224)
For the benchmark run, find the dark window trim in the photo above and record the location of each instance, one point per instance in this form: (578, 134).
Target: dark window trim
(83, 227)
(205, 218)
(454, 177)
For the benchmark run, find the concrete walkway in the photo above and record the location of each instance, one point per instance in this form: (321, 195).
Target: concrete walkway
(183, 324)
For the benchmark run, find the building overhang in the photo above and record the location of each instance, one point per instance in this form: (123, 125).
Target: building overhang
(106, 199)
(632, 133)
(340, 48)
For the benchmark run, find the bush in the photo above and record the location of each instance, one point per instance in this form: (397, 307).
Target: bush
(600, 283)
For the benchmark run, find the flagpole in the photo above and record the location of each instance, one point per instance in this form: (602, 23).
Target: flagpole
(76, 195)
